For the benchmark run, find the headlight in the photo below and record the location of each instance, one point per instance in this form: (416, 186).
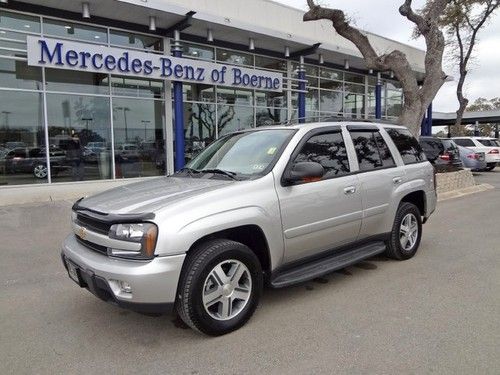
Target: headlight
(143, 233)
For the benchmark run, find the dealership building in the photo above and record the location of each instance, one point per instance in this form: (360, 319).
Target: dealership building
(119, 89)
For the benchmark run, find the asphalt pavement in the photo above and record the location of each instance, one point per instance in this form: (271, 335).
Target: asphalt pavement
(436, 313)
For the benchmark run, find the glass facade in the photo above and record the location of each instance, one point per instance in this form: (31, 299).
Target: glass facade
(59, 125)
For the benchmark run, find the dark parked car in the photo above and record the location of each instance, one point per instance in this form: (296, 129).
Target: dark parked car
(442, 153)
(34, 160)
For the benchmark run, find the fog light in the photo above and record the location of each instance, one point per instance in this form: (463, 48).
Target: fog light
(124, 286)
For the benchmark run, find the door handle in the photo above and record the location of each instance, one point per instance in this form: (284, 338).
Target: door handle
(350, 190)
(397, 180)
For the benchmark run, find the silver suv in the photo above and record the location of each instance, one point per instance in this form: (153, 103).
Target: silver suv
(276, 205)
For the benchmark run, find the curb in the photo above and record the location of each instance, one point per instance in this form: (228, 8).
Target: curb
(465, 191)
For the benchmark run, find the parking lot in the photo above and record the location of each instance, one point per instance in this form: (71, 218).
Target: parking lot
(436, 313)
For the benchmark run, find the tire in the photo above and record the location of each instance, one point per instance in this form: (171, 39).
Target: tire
(40, 171)
(490, 167)
(210, 266)
(397, 247)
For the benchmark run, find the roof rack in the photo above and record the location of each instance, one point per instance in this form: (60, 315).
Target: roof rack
(310, 119)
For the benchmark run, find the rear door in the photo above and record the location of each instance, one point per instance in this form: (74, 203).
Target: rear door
(378, 176)
(325, 214)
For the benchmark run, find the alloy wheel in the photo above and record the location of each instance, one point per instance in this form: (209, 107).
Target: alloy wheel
(408, 232)
(227, 289)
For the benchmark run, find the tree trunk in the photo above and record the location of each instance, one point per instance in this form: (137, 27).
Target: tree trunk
(412, 116)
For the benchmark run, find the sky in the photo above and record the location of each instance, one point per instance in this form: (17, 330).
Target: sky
(382, 17)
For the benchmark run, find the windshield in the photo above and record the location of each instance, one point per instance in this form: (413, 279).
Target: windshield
(246, 154)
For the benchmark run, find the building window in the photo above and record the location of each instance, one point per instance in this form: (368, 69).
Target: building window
(20, 22)
(81, 127)
(139, 137)
(200, 127)
(135, 41)
(137, 87)
(22, 138)
(70, 30)
(18, 75)
(234, 57)
(73, 81)
(197, 51)
(231, 118)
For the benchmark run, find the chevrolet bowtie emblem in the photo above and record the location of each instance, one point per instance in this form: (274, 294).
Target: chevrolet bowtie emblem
(82, 232)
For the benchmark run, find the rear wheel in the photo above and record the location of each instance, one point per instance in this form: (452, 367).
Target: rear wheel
(406, 232)
(220, 287)
(490, 166)
(40, 171)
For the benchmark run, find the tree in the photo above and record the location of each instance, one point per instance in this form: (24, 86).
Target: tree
(482, 104)
(462, 21)
(417, 95)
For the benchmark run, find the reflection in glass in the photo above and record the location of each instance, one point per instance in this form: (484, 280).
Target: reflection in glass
(197, 51)
(199, 127)
(139, 137)
(270, 99)
(354, 105)
(21, 22)
(17, 74)
(81, 82)
(233, 118)
(81, 127)
(234, 57)
(331, 101)
(138, 87)
(328, 150)
(72, 30)
(234, 96)
(270, 63)
(126, 39)
(270, 116)
(198, 92)
(22, 139)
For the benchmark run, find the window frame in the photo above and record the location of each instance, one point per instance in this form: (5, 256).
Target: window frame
(300, 145)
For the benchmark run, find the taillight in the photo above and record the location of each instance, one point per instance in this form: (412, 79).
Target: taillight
(473, 156)
(445, 156)
(494, 151)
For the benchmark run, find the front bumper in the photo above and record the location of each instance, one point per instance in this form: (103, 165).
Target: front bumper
(153, 283)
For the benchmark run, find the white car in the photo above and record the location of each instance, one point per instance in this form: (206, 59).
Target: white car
(490, 147)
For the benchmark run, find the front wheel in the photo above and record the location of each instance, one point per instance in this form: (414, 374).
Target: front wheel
(220, 287)
(406, 232)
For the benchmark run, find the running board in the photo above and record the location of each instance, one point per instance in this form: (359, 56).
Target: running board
(323, 266)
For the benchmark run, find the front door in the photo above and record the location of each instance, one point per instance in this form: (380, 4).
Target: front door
(325, 214)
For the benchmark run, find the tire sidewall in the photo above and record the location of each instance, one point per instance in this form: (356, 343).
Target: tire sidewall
(213, 326)
(403, 210)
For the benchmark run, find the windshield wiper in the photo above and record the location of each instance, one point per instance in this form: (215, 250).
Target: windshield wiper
(229, 174)
(188, 171)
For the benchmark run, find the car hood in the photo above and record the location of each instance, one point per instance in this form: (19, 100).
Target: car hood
(150, 195)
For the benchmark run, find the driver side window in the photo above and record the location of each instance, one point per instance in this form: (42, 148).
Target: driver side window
(327, 149)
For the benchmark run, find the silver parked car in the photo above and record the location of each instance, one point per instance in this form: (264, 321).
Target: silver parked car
(471, 159)
(276, 205)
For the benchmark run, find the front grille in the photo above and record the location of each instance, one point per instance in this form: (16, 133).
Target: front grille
(92, 224)
(93, 246)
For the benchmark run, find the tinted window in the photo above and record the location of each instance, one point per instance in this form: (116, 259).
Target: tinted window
(465, 142)
(407, 145)
(433, 147)
(371, 149)
(329, 150)
(488, 142)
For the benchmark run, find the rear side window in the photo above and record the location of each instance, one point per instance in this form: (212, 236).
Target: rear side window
(488, 142)
(465, 142)
(327, 149)
(407, 145)
(371, 150)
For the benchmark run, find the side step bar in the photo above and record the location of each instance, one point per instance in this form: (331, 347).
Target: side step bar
(323, 266)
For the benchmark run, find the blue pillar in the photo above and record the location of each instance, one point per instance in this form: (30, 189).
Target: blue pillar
(302, 95)
(178, 112)
(378, 98)
(429, 120)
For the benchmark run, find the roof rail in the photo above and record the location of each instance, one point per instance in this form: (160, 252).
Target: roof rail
(323, 118)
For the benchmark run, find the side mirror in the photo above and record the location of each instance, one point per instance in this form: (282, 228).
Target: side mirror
(306, 171)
